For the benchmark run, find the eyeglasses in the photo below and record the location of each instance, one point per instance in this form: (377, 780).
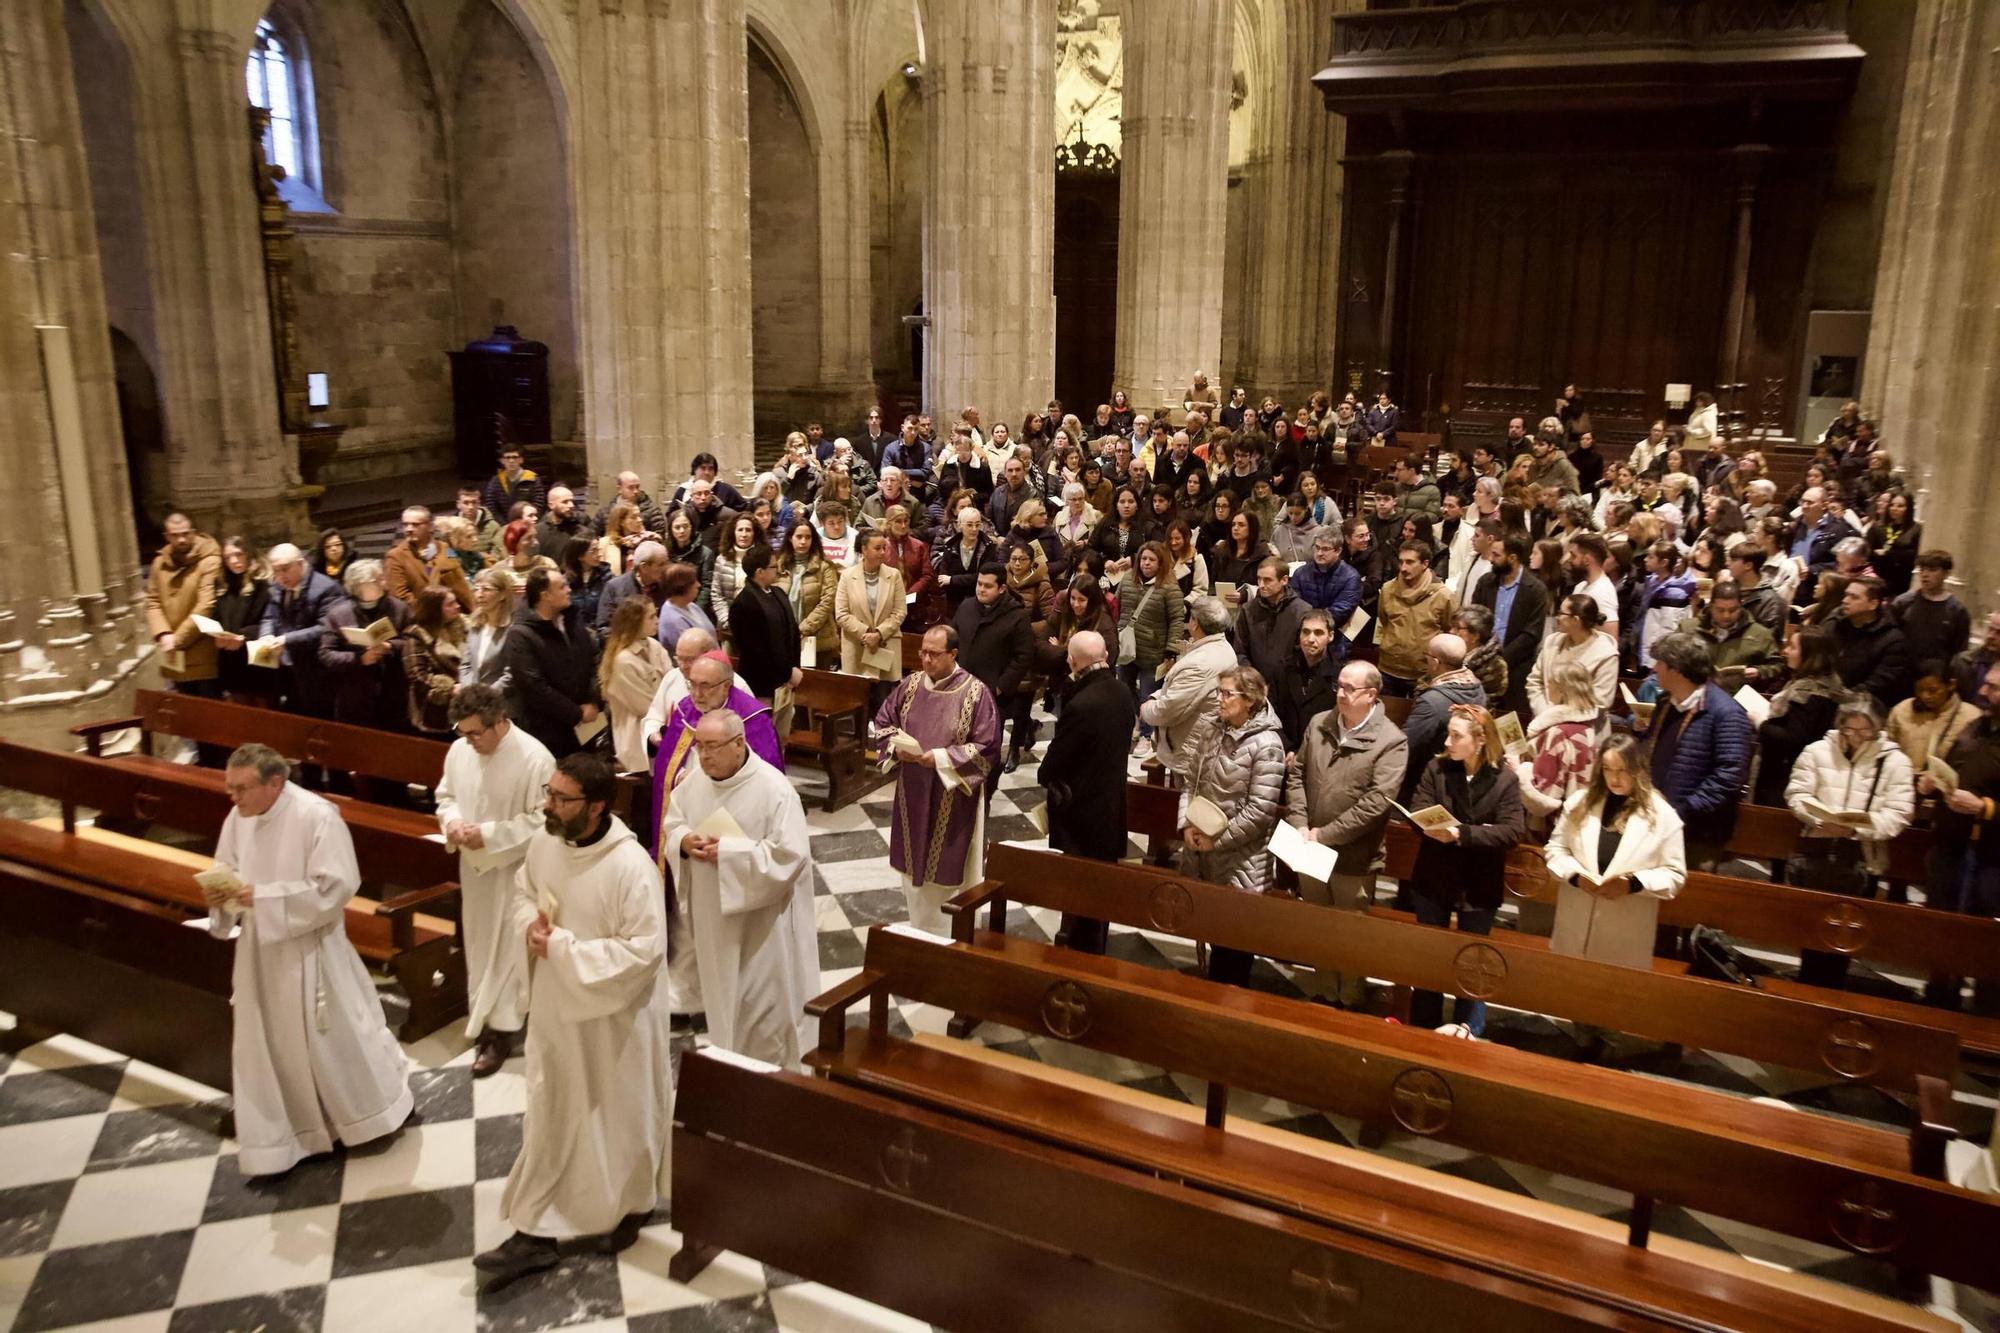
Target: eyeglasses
(1356, 689)
(1222, 693)
(552, 794)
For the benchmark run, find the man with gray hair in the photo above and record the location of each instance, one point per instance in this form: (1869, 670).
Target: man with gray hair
(312, 1060)
(489, 803)
(1083, 771)
(893, 492)
(1187, 694)
(300, 598)
(369, 687)
(647, 576)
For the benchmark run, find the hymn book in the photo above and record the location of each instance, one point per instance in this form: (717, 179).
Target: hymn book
(219, 887)
(1351, 630)
(1754, 704)
(1301, 853)
(267, 652)
(1430, 818)
(207, 626)
(1513, 740)
(1943, 774)
(1826, 814)
(381, 630)
(721, 824)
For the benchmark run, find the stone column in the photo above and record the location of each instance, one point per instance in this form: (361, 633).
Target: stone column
(1295, 183)
(1932, 369)
(660, 138)
(231, 466)
(1173, 217)
(67, 556)
(989, 219)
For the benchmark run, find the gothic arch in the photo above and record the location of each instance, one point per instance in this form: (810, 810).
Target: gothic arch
(789, 241)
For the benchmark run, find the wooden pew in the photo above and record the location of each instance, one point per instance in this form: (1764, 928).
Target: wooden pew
(411, 760)
(1504, 968)
(92, 942)
(390, 846)
(999, 1231)
(1660, 1142)
(830, 732)
(1778, 914)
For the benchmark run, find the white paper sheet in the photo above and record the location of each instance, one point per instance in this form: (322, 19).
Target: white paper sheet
(1301, 853)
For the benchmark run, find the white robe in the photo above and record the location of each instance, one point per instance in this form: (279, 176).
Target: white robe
(502, 794)
(312, 1057)
(755, 941)
(595, 1139)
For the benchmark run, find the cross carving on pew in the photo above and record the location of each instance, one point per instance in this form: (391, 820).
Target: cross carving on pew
(1322, 1289)
(1066, 1010)
(1169, 906)
(902, 1160)
(1851, 1049)
(1481, 968)
(1421, 1101)
(1864, 1223)
(1845, 928)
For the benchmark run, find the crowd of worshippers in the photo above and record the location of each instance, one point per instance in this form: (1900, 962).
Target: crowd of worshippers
(1184, 587)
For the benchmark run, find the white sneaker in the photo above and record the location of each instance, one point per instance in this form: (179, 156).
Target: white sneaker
(1456, 1030)
(1143, 750)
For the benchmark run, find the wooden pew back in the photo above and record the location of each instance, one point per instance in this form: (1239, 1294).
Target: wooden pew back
(1706, 1014)
(415, 760)
(1695, 1148)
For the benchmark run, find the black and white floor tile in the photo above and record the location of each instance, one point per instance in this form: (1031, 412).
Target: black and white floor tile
(122, 1210)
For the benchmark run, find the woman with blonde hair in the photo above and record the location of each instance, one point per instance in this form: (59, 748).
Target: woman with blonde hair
(1152, 621)
(493, 594)
(629, 673)
(1462, 864)
(1238, 775)
(1616, 852)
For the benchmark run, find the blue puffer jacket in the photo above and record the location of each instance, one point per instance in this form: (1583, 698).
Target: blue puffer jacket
(1704, 781)
(1336, 591)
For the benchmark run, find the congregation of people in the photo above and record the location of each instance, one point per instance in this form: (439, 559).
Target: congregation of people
(1674, 632)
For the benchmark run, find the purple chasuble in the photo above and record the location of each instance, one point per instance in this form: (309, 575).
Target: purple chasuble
(932, 822)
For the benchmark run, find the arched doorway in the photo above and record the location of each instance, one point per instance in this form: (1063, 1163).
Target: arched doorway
(784, 253)
(145, 437)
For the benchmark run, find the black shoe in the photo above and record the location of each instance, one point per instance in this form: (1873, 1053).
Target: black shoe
(693, 1023)
(1013, 761)
(492, 1053)
(617, 1240)
(516, 1257)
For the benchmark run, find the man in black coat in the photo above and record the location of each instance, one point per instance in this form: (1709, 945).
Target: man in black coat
(1308, 683)
(1520, 630)
(764, 630)
(1083, 772)
(996, 644)
(1868, 650)
(551, 664)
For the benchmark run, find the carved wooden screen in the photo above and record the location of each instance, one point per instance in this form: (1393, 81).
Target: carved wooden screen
(1527, 273)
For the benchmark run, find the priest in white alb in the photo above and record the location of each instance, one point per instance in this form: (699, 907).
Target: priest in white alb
(313, 1062)
(595, 1136)
(743, 859)
(488, 805)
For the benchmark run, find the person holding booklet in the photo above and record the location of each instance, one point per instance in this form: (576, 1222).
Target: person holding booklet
(1234, 798)
(358, 651)
(1615, 852)
(1468, 805)
(1852, 785)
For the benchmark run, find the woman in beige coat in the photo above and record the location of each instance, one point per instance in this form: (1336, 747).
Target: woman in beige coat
(868, 606)
(810, 580)
(1614, 853)
(629, 673)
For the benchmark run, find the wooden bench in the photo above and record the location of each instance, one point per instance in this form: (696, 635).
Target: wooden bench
(386, 755)
(1660, 1142)
(1504, 968)
(413, 934)
(92, 942)
(830, 732)
(996, 1228)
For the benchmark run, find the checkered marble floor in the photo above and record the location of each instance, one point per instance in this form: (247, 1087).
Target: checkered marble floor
(121, 1207)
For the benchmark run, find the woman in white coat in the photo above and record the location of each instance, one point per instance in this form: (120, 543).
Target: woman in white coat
(1615, 853)
(1855, 770)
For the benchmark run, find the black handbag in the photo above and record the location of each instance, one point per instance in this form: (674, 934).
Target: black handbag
(1712, 958)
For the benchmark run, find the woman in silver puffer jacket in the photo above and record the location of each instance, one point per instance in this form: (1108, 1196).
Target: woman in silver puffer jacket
(1238, 766)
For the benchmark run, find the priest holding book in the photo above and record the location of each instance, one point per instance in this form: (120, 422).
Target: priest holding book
(942, 729)
(743, 864)
(312, 1060)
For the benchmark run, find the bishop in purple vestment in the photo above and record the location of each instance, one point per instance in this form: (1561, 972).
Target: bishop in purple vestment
(710, 686)
(938, 836)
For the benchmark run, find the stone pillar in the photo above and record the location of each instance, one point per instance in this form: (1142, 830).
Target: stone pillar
(1294, 206)
(230, 464)
(67, 555)
(1932, 370)
(660, 137)
(1747, 161)
(1173, 220)
(989, 219)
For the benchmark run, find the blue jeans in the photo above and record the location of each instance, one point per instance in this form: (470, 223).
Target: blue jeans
(1139, 679)
(1427, 1006)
